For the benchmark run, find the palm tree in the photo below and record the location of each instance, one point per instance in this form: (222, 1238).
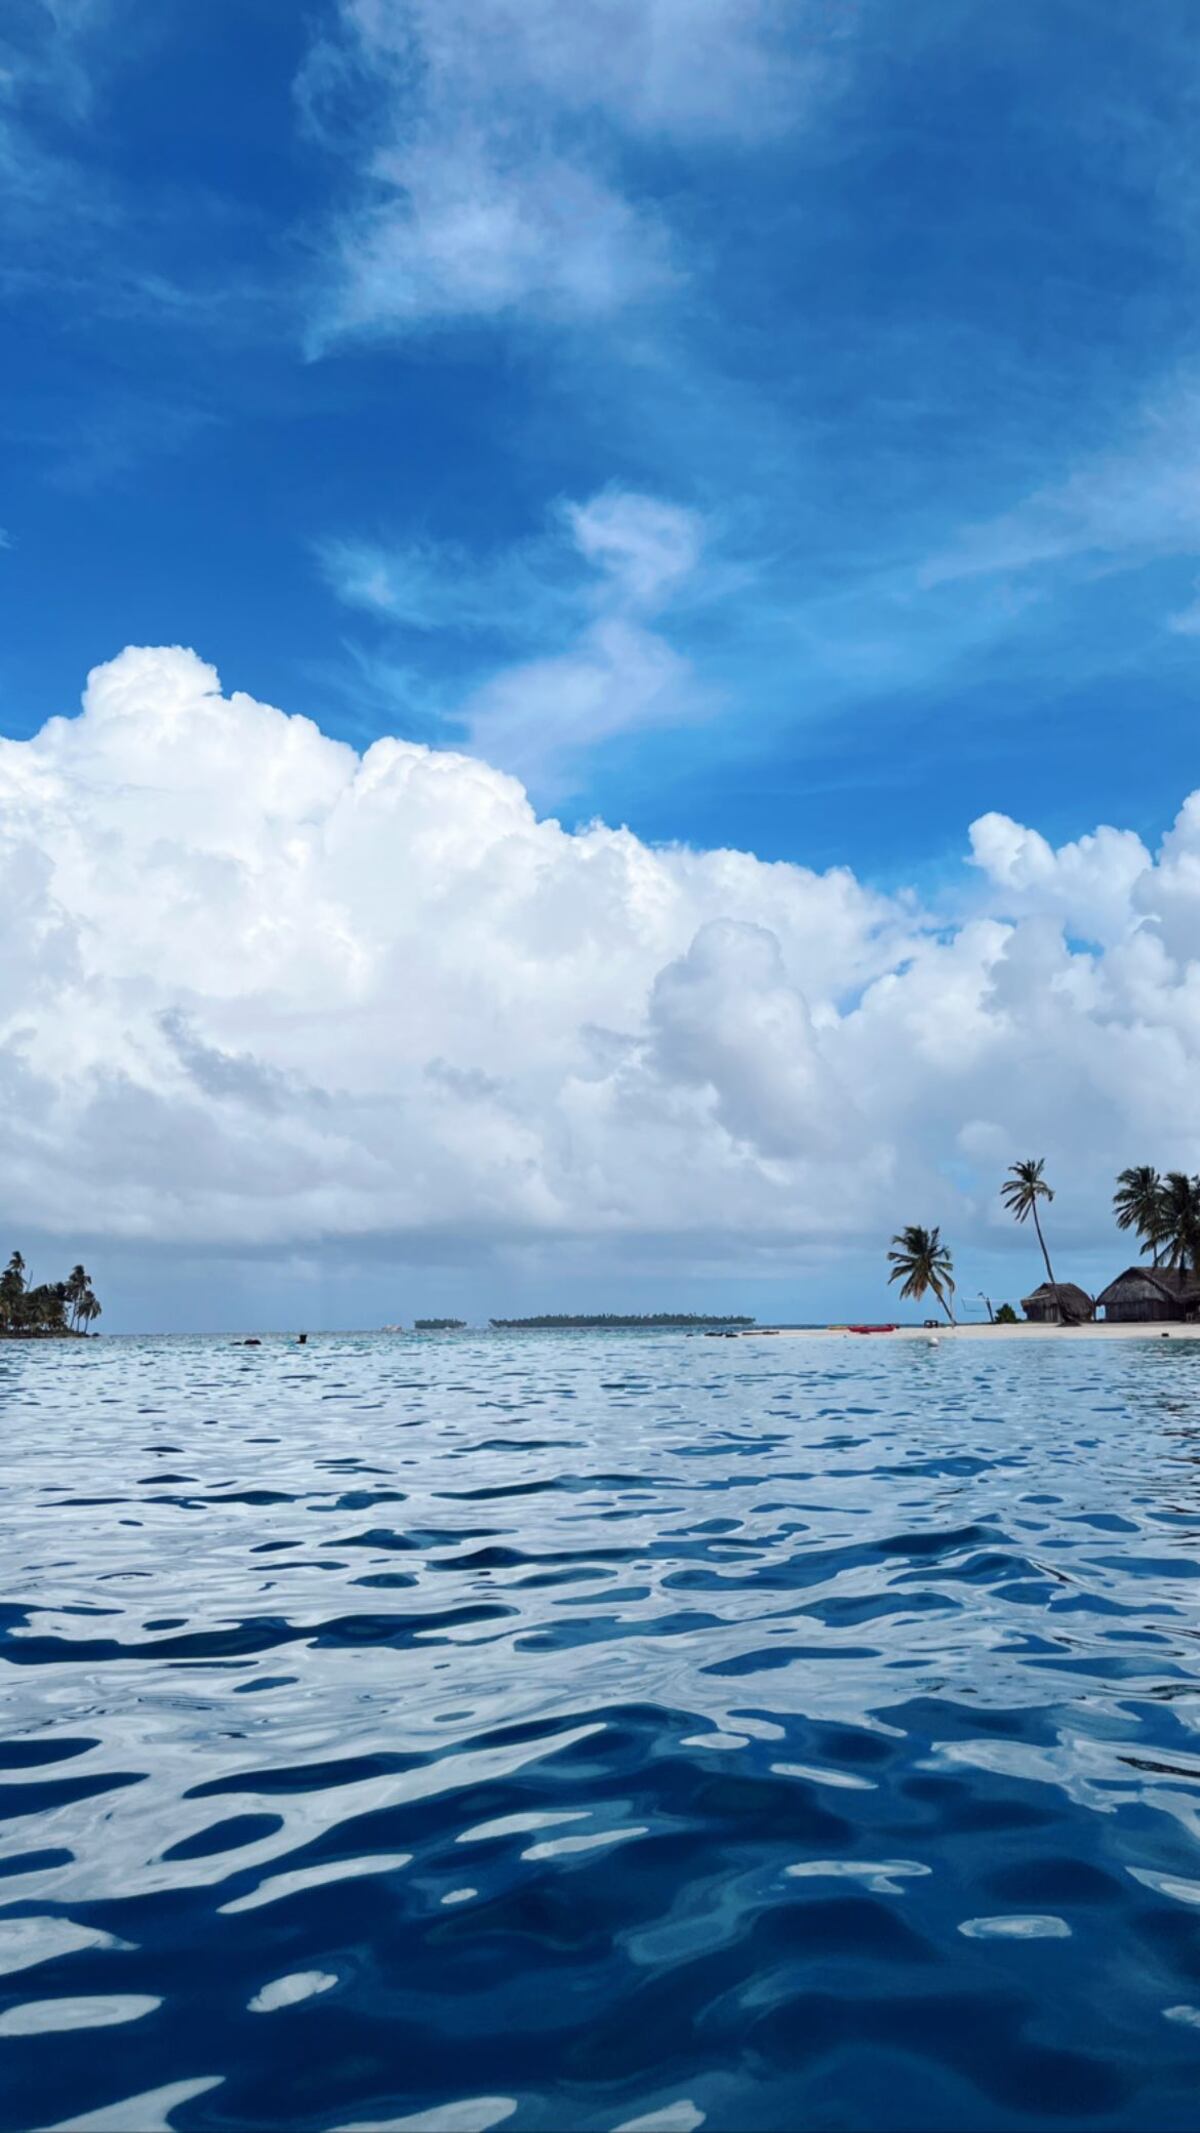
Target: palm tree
(1179, 1233)
(1020, 1192)
(12, 1289)
(925, 1263)
(53, 1307)
(79, 1281)
(43, 1310)
(1138, 1205)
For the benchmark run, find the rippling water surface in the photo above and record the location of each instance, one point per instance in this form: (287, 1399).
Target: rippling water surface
(577, 1732)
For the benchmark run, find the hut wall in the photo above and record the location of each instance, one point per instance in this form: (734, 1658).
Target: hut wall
(1140, 1310)
(1138, 1302)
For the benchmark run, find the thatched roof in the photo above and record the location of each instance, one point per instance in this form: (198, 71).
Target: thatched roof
(1067, 1294)
(1175, 1285)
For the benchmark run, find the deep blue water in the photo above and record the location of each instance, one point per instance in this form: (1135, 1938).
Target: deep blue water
(569, 1732)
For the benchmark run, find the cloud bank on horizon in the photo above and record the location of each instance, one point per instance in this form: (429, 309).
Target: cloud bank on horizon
(260, 990)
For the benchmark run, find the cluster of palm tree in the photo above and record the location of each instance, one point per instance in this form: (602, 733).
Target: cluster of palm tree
(923, 1263)
(1163, 1212)
(49, 1307)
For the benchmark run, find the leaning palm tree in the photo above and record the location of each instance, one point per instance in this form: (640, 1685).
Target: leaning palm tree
(925, 1263)
(1179, 1233)
(1138, 1205)
(1022, 1189)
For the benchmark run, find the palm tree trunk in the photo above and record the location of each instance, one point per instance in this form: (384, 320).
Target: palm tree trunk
(941, 1299)
(1046, 1256)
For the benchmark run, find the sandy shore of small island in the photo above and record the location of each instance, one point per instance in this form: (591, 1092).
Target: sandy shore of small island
(994, 1335)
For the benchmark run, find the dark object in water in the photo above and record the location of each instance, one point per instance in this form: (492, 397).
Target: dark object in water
(253, 1342)
(301, 1338)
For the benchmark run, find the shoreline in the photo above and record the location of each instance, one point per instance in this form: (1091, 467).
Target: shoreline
(997, 1335)
(46, 1333)
(1176, 1331)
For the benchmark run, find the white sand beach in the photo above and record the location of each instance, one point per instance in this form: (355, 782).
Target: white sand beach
(992, 1334)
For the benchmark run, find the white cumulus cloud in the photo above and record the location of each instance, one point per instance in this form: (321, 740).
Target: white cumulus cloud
(259, 990)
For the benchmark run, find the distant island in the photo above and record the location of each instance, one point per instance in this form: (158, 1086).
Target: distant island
(49, 1310)
(605, 1320)
(438, 1325)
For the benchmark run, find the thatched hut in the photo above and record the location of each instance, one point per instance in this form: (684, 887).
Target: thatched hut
(1144, 1295)
(1059, 1303)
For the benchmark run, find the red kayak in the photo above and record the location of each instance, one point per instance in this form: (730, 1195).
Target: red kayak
(870, 1329)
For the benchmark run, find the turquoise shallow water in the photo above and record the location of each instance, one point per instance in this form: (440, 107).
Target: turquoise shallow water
(570, 1732)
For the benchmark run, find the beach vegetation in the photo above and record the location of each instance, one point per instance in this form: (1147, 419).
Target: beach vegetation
(1164, 1212)
(1024, 1186)
(1179, 1222)
(1138, 1204)
(46, 1309)
(924, 1265)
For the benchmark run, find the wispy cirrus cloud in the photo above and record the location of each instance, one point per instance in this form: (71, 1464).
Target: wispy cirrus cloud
(46, 55)
(95, 245)
(540, 717)
(645, 548)
(48, 51)
(433, 586)
(457, 230)
(1126, 503)
(490, 139)
(1186, 620)
(585, 600)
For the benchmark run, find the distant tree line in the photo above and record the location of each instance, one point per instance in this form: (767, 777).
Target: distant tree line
(438, 1325)
(32, 1312)
(602, 1319)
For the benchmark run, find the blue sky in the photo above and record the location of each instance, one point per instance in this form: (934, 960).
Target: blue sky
(772, 425)
(911, 331)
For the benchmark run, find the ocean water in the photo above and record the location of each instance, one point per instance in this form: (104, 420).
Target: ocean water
(576, 1732)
